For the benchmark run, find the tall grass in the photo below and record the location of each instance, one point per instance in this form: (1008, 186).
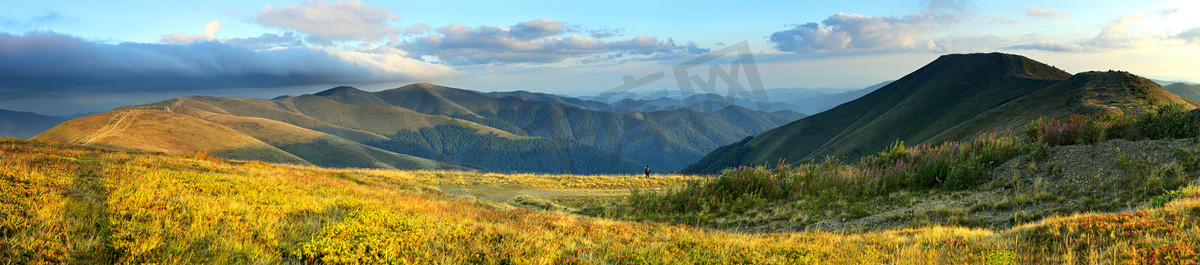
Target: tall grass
(71, 204)
(956, 165)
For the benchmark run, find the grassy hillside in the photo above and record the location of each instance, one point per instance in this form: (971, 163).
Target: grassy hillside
(418, 123)
(167, 132)
(184, 130)
(951, 98)
(1188, 91)
(1088, 93)
(1077, 164)
(73, 204)
(24, 125)
(665, 140)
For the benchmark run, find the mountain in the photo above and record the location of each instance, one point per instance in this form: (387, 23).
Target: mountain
(953, 97)
(182, 130)
(415, 126)
(800, 100)
(20, 124)
(667, 140)
(817, 102)
(1185, 90)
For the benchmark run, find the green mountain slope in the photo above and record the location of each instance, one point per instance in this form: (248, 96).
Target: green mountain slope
(1188, 91)
(952, 97)
(666, 140)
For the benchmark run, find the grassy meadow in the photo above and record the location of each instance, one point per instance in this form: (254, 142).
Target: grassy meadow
(73, 204)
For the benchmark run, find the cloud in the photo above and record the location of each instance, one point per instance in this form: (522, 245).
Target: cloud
(44, 62)
(1034, 11)
(209, 33)
(851, 32)
(993, 19)
(1168, 11)
(605, 32)
(419, 28)
(540, 28)
(537, 41)
(1191, 36)
(268, 41)
(1116, 34)
(1049, 46)
(337, 21)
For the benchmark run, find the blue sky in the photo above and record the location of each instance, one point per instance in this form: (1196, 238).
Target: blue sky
(61, 57)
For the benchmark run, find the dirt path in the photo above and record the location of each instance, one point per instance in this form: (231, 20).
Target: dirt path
(106, 130)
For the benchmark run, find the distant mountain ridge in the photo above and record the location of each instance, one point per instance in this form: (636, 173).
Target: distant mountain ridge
(1185, 90)
(953, 97)
(21, 124)
(803, 101)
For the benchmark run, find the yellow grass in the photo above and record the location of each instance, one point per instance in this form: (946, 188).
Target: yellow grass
(528, 180)
(72, 204)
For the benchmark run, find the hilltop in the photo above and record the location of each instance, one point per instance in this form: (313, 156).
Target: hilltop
(951, 98)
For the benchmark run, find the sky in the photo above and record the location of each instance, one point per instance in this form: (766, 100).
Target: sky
(64, 57)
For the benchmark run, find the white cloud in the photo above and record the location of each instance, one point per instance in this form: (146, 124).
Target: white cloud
(209, 33)
(852, 32)
(1116, 34)
(1034, 11)
(537, 41)
(336, 21)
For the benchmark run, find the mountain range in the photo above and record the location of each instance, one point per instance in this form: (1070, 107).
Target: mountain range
(784, 101)
(20, 124)
(951, 98)
(421, 126)
(426, 126)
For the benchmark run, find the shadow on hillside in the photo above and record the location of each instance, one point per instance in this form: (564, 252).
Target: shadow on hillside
(88, 214)
(303, 225)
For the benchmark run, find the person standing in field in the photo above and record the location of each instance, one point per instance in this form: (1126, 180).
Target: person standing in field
(647, 171)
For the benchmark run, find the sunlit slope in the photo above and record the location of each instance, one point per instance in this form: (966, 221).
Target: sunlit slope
(356, 122)
(185, 129)
(317, 147)
(167, 132)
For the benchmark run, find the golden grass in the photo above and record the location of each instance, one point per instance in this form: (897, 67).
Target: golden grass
(180, 134)
(72, 204)
(443, 178)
